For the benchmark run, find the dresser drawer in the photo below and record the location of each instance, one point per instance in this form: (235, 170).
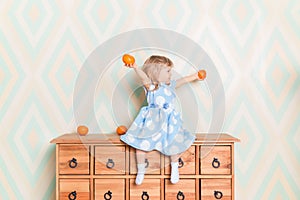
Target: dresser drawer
(74, 189)
(186, 162)
(110, 159)
(184, 189)
(215, 160)
(109, 189)
(74, 159)
(215, 189)
(152, 161)
(149, 189)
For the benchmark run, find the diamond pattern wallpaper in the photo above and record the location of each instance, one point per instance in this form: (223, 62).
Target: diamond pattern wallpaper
(254, 45)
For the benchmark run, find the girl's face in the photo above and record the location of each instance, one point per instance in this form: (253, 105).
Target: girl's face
(165, 75)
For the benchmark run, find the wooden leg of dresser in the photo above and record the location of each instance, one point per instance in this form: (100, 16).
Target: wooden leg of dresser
(197, 165)
(232, 187)
(56, 172)
(232, 171)
(92, 161)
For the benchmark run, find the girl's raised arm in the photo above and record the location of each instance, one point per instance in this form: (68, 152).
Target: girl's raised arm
(141, 74)
(201, 75)
(186, 79)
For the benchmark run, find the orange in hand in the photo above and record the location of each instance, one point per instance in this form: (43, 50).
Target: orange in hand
(121, 130)
(82, 130)
(128, 59)
(202, 74)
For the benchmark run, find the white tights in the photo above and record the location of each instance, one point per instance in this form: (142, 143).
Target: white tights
(141, 167)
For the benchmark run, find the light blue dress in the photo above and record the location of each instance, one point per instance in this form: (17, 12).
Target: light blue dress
(158, 126)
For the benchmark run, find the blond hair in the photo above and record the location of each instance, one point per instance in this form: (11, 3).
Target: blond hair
(153, 66)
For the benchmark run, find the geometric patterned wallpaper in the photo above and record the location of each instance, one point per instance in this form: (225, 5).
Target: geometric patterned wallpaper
(253, 44)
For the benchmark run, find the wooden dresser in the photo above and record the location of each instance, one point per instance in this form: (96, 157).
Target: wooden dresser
(100, 166)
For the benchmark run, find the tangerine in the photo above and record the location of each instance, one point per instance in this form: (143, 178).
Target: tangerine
(128, 59)
(82, 130)
(121, 130)
(202, 74)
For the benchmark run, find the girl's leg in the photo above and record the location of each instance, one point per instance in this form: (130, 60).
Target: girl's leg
(174, 168)
(140, 156)
(141, 166)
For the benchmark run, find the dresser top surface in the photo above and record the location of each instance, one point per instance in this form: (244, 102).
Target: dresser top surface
(74, 138)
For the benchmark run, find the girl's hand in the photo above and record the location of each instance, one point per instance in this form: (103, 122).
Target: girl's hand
(196, 77)
(134, 65)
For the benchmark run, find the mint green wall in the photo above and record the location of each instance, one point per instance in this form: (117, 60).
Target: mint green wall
(254, 45)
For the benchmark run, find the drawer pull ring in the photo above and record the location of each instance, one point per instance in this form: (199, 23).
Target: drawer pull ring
(73, 163)
(180, 195)
(145, 196)
(110, 163)
(108, 195)
(218, 194)
(147, 163)
(72, 195)
(180, 163)
(216, 163)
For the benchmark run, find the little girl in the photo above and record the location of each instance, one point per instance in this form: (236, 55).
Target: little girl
(158, 126)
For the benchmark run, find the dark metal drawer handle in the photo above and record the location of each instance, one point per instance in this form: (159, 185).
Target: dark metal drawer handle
(218, 194)
(180, 195)
(216, 163)
(180, 163)
(147, 163)
(73, 163)
(145, 196)
(108, 195)
(72, 195)
(110, 163)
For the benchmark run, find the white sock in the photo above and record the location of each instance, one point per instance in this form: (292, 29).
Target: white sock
(140, 174)
(174, 172)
